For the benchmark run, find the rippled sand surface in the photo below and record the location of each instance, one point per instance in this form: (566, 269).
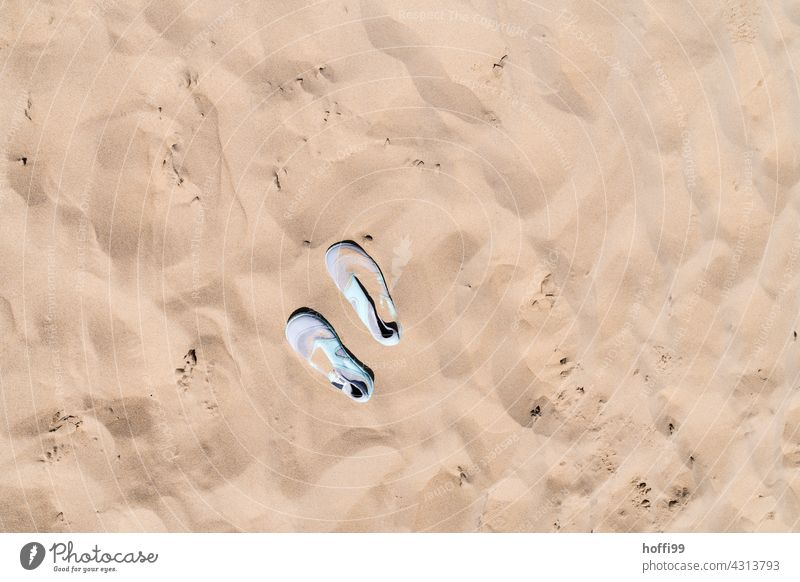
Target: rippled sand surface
(587, 215)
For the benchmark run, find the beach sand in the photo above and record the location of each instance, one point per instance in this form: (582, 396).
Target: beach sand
(587, 215)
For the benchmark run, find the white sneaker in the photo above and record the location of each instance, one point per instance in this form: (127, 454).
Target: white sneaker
(359, 277)
(308, 331)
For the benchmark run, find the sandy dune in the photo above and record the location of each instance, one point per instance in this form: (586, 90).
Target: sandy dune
(588, 216)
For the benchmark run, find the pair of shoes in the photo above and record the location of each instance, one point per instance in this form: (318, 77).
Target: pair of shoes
(360, 279)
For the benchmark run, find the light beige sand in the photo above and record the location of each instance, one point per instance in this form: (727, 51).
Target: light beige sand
(588, 215)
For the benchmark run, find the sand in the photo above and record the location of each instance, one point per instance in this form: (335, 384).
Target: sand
(587, 214)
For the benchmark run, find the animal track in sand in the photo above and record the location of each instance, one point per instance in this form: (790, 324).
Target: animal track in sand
(641, 494)
(54, 454)
(605, 462)
(187, 379)
(643, 499)
(743, 18)
(665, 360)
(185, 373)
(680, 497)
(28, 178)
(68, 422)
(463, 477)
(190, 78)
(546, 297)
(497, 67)
(567, 367)
(335, 110)
(210, 402)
